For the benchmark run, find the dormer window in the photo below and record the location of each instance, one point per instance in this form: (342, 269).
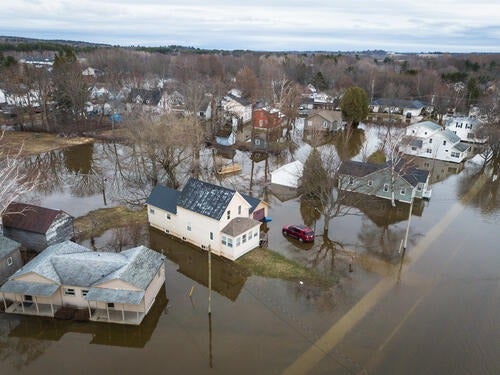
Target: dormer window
(444, 143)
(430, 140)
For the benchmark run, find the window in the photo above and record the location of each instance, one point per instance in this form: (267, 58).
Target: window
(111, 305)
(238, 241)
(239, 210)
(455, 154)
(257, 141)
(429, 150)
(413, 131)
(370, 182)
(168, 216)
(255, 233)
(189, 227)
(229, 214)
(425, 133)
(249, 235)
(386, 187)
(430, 140)
(69, 292)
(10, 261)
(152, 211)
(211, 235)
(403, 192)
(229, 242)
(325, 124)
(414, 148)
(84, 292)
(244, 238)
(444, 143)
(351, 180)
(260, 123)
(224, 240)
(470, 135)
(28, 298)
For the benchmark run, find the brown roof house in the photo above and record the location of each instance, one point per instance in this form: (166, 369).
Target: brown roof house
(36, 227)
(10, 257)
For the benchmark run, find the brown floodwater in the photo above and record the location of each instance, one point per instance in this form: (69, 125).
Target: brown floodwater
(435, 310)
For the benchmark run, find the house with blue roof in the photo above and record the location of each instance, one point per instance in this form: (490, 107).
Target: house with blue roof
(114, 287)
(429, 140)
(208, 215)
(403, 182)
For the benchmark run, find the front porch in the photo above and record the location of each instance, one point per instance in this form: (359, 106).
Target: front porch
(32, 308)
(116, 316)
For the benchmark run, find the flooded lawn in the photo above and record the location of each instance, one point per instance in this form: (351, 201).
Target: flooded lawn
(435, 310)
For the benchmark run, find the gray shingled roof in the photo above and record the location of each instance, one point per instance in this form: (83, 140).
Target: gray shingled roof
(164, 197)
(132, 297)
(141, 266)
(239, 225)
(204, 198)
(29, 288)
(68, 263)
(359, 169)
(7, 246)
(450, 136)
(462, 147)
(240, 100)
(167, 199)
(415, 104)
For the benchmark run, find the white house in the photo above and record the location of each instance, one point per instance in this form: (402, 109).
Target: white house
(237, 107)
(466, 128)
(208, 215)
(114, 287)
(429, 140)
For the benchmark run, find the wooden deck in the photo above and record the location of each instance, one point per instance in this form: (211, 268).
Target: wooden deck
(230, 168)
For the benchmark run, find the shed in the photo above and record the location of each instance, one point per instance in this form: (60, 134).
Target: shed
(36, 227)
(10, 258)
(288, 174)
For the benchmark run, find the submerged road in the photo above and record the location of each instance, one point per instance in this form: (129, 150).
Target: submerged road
(380, 332)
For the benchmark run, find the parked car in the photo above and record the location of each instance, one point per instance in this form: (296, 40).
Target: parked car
(300, 232)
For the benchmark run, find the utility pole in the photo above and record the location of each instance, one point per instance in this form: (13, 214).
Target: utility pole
(209, 280)
(409, 219)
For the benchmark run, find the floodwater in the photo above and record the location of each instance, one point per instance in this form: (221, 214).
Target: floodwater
(435, 310)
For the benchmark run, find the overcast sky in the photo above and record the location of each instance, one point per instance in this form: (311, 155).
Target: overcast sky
(272, 25)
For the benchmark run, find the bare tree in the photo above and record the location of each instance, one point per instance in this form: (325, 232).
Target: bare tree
(14, 180)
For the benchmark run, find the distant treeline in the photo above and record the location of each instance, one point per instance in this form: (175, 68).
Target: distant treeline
(43, 46)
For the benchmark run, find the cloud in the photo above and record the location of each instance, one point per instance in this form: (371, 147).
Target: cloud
(263, 25)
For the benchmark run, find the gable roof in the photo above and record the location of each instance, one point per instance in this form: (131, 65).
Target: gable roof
(205, 198)
(410, 174)
(164, 197)
(29, 217)
(252, 201)
(358, 168)
(70, 264)
(426, 124)
(238, 99)
(330, 116)
(450, 136)
(7, 246)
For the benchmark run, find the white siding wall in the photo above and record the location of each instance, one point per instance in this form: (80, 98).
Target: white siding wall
(439, 150)
(154, 287)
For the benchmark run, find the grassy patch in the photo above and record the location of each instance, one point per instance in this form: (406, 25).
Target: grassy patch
(97, 222)
(378, 157)
(267, 263)
(259, 262)
(35, 143)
